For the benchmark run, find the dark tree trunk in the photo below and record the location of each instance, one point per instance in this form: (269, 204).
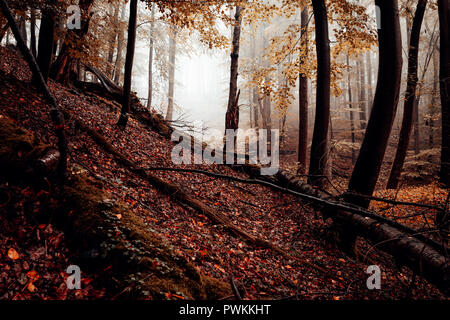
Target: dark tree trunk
(33, 32)
(368, 164)
(46, 40)
(23, 27)
(303, 100)
(411, 100)
(172, 56)
(123, 119)
(232, 114)
(444, 78)
(319, 146)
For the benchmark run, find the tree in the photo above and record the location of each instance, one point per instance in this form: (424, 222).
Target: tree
(33, 31)
(150, 59)
(368, 164)
(232, 114)
(303, 99)
(410, 96)
(46, 41)
(123, 119)
(444, 78)
(172, 56)
(319, 146)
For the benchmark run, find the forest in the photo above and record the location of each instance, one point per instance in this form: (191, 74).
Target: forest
(262, 150)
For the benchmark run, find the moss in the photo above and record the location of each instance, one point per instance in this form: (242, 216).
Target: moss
(18, 148)
(142, 262)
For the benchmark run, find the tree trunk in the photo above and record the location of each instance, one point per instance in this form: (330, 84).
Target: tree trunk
(434, 98)
(23, 27)
(46, 40)
(112, 45)
(232, 114)
(303, 100)
(319, 146)
(33, 32)
(368, 164)
(118, 64)
(369, 82)
(350, 106)
(123, 119)
(172, 56)
(410, 102)
(444, 78)
(362, 94)
(150, 60)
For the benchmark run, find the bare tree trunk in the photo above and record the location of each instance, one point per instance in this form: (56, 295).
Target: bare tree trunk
(172, 57)
(368, 164)
(350, 106)
(118, 65)
(444, 77)
(362, 94)
(232, 114)
(112, 44)
(303, 100)
(319, 146)
(369, 82)
(434, 97)
(411, 101)
(150, 60)
(123, 119)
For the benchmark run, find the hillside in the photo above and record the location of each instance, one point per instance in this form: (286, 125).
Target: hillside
(214, 251)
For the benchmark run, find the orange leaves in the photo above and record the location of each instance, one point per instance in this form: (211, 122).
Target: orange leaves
(33, 276)
(13, 254)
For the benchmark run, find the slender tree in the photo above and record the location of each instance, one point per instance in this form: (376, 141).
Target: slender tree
(172, 56)
(123, 119)
(232, 114)
(303, 99)
(33, 32)
(368, 164)
(150, 59)
(118, 64)
(444, 78)
(410, 103)
(319, 146)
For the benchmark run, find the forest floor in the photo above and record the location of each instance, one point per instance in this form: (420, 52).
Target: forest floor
(37, 253)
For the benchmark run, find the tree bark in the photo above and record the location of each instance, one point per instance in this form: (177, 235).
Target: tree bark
(123, 119)
(232, 114)
(303, 100)
(444, 78)
(369, 82)
(319, 146)
(112, 45)
(368, 164)
(410, 105)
